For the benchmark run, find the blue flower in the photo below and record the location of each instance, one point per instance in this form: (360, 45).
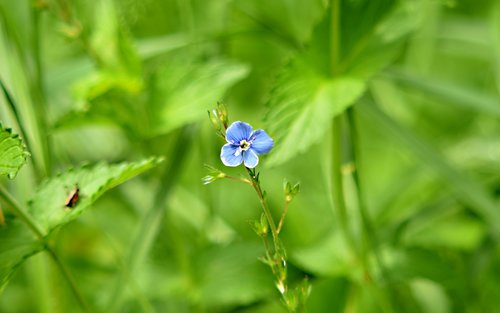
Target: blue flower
(244, 145)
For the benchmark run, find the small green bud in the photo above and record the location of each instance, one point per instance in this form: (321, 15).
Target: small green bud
(260, 227)
(214, 119)
(290, 191)
(222, 114)
(264, 225)
(291, 301)
(213, 175)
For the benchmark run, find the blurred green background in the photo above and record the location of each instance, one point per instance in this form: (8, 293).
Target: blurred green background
(408, 89)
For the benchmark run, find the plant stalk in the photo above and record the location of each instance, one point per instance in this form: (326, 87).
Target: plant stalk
(265, 208)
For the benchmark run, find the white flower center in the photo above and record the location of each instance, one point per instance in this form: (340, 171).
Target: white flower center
(244, 146)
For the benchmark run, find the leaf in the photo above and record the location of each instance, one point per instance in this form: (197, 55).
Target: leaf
(48, 205)
(374, 38)
(431, 296)
(13, 153)
(454, 94)
(302, 111)
(17, 244)
(465, 188)
(185, 90)
(293, 24)
(329, 75)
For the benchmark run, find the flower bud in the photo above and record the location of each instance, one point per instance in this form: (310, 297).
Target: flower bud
(290, 191)
(222, 114)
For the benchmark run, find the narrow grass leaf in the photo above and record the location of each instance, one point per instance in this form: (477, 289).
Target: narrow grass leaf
(466, 189)
(453, 93)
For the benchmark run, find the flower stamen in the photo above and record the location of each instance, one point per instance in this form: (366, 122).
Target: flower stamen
(244, 145)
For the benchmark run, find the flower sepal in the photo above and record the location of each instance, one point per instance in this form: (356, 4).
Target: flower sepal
(290, 191)
(213, 175)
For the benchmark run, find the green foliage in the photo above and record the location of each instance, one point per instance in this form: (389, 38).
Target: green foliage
(302, 111)
(185, 90)
(13, 153)
(48, 205)
(385, 111)
(328, 76)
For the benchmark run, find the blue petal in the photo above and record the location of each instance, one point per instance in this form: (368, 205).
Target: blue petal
(261, 142)
(250, 157)
(238, 131)
(229, 157)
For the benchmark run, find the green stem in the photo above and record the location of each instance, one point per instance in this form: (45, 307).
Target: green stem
(265, 208)
(21, 212)
(335, 37)
(337, 181)
(39, 92)
(238, 179)
(368, 231)
(69, 278)
(369, 234)
(285, 209)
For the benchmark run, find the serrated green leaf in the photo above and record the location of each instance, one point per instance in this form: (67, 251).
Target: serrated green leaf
(302, 110)
(328, 77)
(185, 90)
(293, 24)
(48, 208)
(17, 243)
(374, 38)
(13, 153)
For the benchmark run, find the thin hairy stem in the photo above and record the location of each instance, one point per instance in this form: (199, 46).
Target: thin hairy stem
(20, 212)
(265, 208)
(69, 278)
(369, 234)
(239, 179)
(285, 209)
(335, 37)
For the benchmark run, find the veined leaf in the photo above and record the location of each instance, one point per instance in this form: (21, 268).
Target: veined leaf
(17, 243)
(48, 206)
(13, 153)
(293, 24)
(329, 76)
(302, 110)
